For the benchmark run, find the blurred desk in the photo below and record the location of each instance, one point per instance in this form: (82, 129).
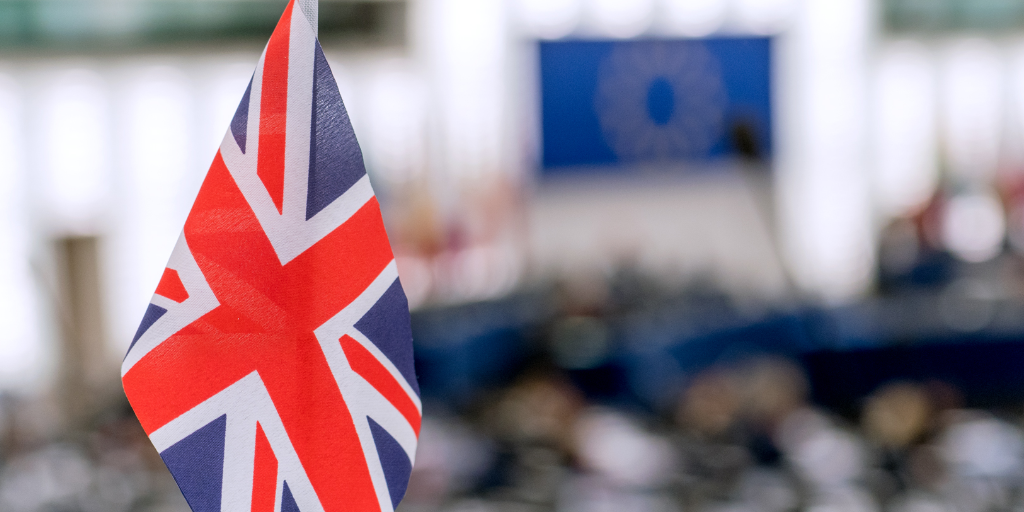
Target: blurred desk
(658, 345)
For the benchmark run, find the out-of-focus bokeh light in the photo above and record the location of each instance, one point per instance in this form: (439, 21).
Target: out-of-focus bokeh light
(840, 29)
(764, 16)
(75, 145)
(397, 102)
(823, 187)
(157, 143)
(21, 355)
(610, 444)
(904, 128)
(467, 51)
(217, 90)
(621, 18)
(974, 226)
(549, 19)
(693, 18)
(897, 415)
(979, 445)
(973, 107)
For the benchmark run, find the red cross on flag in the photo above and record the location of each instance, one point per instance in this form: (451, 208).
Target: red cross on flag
(273, 369)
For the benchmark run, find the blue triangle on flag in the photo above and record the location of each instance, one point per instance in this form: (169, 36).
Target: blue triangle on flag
(335, 160)
(240, 123)
(288, 501)
(197, 463)
(153, 313)
(393, 460)
(386, 324)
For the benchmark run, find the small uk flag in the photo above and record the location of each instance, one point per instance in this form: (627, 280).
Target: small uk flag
(273, 369)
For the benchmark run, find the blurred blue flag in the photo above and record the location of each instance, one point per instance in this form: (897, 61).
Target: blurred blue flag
(654, 101)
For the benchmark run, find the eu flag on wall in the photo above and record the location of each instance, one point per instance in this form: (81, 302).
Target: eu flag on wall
(613, 104)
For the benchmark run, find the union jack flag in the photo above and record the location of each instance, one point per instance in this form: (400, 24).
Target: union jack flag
(273, 368)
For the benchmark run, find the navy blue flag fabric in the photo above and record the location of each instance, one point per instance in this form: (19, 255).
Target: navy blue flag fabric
(609, 103)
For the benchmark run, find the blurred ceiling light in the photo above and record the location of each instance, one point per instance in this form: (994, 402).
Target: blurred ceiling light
(693, 18)
(157, 121)
(223, 87)
(838, 219)
(469, 53)
(20, 349)
(824, 186)
(75, 142)
(158, 108)
(549, 19)
(904, 138)
(468, 36)
(158, 126)
(622, 18)
(837, 255)
(972, 107)
(839, 30)
(765, 16)
(395, 144)
(973, 226)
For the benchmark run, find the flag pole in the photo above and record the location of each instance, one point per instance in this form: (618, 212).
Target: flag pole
(310, 8)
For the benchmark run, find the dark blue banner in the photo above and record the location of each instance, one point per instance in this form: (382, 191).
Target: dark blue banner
(654, 101)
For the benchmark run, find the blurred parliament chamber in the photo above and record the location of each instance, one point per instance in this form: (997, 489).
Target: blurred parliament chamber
(710, 228)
